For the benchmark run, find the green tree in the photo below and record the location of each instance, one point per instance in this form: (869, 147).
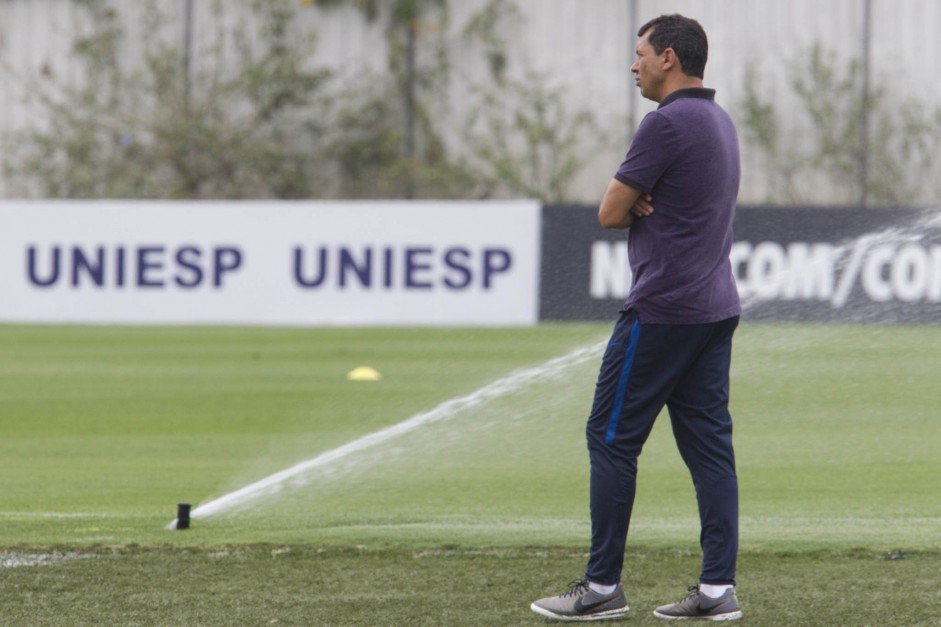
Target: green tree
(521, 138)
(903, 136)
(145, 131)
(517, 139)
(523, 141)
(398, 151)
(255, 118)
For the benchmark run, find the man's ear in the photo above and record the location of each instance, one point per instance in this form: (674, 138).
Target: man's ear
(669, 59)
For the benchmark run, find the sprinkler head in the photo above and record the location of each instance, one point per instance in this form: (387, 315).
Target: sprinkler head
(183, 516)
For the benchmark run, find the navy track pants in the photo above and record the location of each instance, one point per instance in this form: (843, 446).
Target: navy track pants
(686, 368)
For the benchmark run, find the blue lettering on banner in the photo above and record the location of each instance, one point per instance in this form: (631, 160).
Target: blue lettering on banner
(418, 268)
(456, 260)
(496, 261)
(155, 253)
(224, 260)
(359, 268)
(96, 269)
(31, 264)
(146, 267)
(187, 258)
(416, 262)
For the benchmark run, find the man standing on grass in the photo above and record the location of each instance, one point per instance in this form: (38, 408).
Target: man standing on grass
(676, 192)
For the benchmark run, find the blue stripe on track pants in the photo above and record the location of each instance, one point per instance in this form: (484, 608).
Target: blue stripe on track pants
(686, 369)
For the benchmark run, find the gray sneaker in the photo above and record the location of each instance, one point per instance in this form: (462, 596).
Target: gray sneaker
(581, 603)
(698, 606)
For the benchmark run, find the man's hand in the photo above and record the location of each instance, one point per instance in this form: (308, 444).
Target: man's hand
(643, 207)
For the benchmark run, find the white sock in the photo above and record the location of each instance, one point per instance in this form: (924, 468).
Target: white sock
(601, 589)
(714, 591)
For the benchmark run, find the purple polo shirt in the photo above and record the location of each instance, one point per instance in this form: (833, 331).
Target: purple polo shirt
(685, 155)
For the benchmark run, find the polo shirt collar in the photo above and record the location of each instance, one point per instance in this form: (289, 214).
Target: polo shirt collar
(689, 92)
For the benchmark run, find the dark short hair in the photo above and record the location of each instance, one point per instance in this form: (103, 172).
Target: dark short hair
(685, 35)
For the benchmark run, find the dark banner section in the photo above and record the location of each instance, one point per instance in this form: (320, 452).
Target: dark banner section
(569, 235)
(791, 264)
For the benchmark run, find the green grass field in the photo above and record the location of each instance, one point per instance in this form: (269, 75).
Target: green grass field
(462, 521)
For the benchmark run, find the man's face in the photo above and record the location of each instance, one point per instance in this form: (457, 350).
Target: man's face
(648, 74)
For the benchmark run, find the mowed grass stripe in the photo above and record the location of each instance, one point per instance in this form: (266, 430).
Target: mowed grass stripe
(835, 432)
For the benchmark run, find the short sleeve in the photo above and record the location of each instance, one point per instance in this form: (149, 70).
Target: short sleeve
(650, 154)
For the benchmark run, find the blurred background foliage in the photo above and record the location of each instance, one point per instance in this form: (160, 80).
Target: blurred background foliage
(267, 123)
(258, 117)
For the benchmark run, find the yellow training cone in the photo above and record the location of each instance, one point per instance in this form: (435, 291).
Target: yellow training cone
(363, 373)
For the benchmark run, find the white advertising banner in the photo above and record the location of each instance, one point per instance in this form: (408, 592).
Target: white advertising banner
(277, 262)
